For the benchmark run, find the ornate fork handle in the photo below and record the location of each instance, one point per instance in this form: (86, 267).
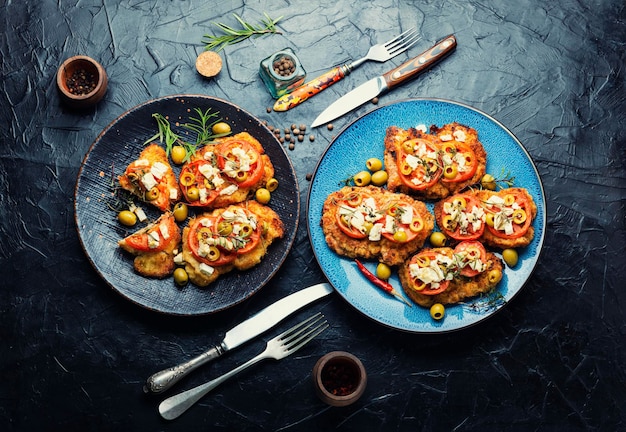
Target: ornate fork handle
(163, 380)
(174, 406)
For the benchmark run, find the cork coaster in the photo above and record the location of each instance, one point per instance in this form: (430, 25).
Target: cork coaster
(209, 64)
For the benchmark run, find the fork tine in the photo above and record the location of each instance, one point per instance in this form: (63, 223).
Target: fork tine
(400, 36)
(293, 330)
(404, 44)
(302, 339)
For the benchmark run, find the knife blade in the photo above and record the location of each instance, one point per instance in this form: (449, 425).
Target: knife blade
(241, 333)
(387, 81)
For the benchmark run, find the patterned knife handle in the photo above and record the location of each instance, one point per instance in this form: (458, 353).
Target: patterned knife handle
(311, 88)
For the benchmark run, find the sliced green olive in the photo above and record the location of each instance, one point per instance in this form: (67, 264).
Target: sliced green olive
(224, 228)
(271, 185)
(374, 164)
(510, 257)
(181, 277)
(362, 179)
(127, 217)
(152, 194)
(450, 172)
(437, 311)
(181, 211)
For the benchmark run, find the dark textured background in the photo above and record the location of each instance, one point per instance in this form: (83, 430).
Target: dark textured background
(74, 354)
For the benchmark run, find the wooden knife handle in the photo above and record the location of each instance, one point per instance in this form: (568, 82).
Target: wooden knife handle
(419, 64)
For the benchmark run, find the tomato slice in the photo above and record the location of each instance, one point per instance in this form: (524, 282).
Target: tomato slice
(419, 164)
(459, 162)
(354, 202)
(467, 252)
(460, 213)
(412, 229)
(192, 181)
(423, 260)
(141, 240)
(240, 162)
(199, 229)
(515, 213)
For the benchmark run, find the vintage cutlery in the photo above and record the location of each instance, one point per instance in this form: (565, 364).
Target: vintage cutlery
(387, 81)
(380, 53)
(278, 348)
(243, 332)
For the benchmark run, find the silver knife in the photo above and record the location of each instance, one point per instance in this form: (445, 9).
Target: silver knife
(243, 332)
(387, 81)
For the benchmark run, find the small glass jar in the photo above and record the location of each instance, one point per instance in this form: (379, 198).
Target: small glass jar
(282, 72)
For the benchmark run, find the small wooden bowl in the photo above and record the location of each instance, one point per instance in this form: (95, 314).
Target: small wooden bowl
(339, 378)
(93, 69)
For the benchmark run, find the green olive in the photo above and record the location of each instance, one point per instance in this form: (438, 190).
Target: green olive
(224, 228)
(127, 217)
(221, 128)
(488, 182)
(510, 257)
(374, 164)
(263, 196)
(152, 194)
(362, 179)
(271, 185)
(193, 194)
(180, 212)
(178, 154)
(181, 277)
(438, 239)
(379, 178)
(450, 171)
(383, 271)
(400, 236)
(437, 311)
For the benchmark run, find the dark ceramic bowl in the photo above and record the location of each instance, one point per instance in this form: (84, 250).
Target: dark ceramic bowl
(339, 378)
(82, 71)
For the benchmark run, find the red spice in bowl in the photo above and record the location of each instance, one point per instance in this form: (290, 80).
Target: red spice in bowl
(339, 378)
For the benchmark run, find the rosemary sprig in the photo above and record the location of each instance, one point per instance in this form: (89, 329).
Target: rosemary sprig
(202, 126)
(233, 36)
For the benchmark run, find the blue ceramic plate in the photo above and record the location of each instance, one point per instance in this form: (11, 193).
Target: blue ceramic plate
(98, 229)
(363, 139)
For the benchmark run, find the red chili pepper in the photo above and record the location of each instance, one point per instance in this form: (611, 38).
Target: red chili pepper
(384, 285)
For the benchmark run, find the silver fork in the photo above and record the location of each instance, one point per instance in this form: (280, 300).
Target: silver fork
(380, 53)
(278, 348)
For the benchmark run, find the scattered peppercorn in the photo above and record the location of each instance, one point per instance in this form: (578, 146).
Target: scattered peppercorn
(309, 176)
(290, 135)
(329, 126)
(268, 109)
(311, 137)
(292, 146)
(375, 101)
(81, 82)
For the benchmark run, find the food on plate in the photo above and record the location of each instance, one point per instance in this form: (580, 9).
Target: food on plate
(151, 178)
(433, 165)
(154, 246)
(509, 214)
(448, 276)
(226, 172)
(370, 222)
(461, 216)
(234, 237)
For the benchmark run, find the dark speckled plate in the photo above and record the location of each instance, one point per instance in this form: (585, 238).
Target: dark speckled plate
(363, 139)
(98, 229)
